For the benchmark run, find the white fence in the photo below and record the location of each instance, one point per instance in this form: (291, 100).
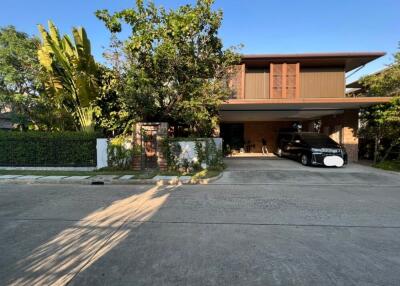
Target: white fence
(189, 152)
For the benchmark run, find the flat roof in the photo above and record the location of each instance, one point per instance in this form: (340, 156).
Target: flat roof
(238, 110)
(300, 103)
(348, 60)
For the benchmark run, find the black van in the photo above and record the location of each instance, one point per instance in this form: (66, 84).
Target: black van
(311, 148)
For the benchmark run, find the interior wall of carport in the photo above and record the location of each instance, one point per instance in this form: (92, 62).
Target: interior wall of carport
(256, 131)
(343, 127)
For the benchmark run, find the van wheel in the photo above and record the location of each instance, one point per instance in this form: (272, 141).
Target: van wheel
(304, 160)
(279, 152)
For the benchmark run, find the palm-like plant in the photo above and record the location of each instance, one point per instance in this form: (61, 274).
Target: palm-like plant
(72, 73)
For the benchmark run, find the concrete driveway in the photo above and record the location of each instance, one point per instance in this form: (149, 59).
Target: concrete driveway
(331, 230)
(284, 171)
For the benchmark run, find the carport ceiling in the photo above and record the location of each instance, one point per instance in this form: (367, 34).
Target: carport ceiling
(237, 110)
(273, 115)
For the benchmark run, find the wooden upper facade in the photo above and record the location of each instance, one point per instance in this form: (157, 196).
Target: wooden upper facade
(295, 76)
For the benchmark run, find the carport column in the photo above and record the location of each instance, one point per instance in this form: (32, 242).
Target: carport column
(349, 133)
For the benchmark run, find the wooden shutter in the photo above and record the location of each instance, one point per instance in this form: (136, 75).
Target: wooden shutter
(276, 85)
(284, 80)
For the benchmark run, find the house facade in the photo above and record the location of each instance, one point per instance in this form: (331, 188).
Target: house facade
(273, 92)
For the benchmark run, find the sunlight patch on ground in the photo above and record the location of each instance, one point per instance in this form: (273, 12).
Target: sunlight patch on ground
(76, 248)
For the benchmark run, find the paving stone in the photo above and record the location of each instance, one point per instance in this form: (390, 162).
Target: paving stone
(165, 178)
(29, 178)
(75, 178)
(6, 177)
(126, 177)
(103, 177)
(185, 179)
(52, 178)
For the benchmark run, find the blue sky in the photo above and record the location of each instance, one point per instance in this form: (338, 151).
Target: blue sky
(263, 26)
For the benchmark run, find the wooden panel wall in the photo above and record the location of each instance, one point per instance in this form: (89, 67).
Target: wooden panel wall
(256, 84)
(322, 82)
(256, 131)
(237, 81)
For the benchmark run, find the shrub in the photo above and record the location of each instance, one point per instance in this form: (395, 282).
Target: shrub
(121, 150)
(45, 149)
(206, 150)
(214, 157)
(171, 151)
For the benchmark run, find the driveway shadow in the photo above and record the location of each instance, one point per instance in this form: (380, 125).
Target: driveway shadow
(74, 249)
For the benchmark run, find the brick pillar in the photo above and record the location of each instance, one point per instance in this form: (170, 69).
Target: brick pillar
(343, 128)
(349, 134)
(137, 159)
(162, 133)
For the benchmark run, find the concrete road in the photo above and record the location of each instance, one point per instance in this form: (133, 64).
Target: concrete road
(251, 227)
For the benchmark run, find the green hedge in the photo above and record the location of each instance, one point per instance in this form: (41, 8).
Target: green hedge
(45, 149)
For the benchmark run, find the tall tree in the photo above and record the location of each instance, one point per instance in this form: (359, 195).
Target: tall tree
(73, 75)
(383, 121)
(20, 81)
(178, 69)
(115, 116)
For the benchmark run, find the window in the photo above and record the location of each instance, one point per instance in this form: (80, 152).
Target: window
(284, 80)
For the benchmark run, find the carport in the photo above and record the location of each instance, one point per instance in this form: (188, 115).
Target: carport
(244, 123)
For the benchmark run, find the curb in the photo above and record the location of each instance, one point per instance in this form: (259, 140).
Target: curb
(90, 181)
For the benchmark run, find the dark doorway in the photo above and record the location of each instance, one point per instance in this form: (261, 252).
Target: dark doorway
(232, 135)
(149, 148)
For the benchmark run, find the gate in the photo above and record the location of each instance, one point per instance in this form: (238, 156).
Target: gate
(149, 148)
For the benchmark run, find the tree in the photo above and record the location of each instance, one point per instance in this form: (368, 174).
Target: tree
(115, 118)
(383, 121)
(20, 79)
(177, 69)
(72, 73)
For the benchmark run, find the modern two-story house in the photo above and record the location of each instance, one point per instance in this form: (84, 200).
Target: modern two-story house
(273, 92)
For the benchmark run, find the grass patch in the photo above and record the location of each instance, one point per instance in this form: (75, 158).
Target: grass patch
(137, 174)
(389, 165)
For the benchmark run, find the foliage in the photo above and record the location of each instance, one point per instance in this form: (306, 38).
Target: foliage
(206, 174)
(20, 79)
(171, 151)
(207, 155)
(121, 150)
(177, 70)
(214, 156)
(47, 149)
(201, 152)
(72, 73)
(386, 82)
(393, 165)
(115, 118)
(383, 121)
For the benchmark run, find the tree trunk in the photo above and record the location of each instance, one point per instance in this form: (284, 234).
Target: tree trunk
(376, 149)
(394, 143)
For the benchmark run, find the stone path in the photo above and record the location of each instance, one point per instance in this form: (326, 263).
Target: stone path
(98, 179)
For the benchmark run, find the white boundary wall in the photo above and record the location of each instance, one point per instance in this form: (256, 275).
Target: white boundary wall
(189, 152)
(102, 155)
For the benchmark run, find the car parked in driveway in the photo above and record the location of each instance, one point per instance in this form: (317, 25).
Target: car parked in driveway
(311, 148)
